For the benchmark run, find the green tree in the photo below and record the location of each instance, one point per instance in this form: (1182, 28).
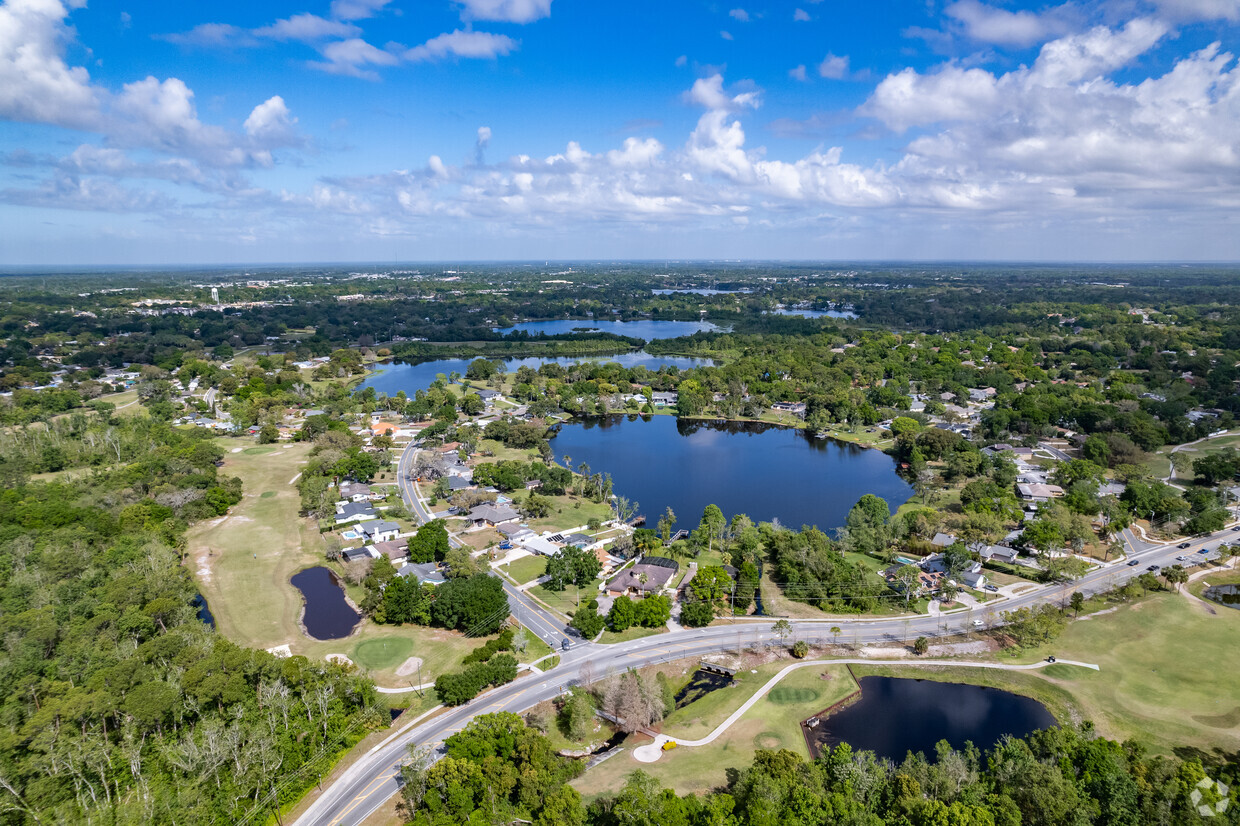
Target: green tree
(476, 605)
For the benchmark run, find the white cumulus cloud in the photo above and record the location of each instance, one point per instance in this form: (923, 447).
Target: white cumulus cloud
(466, 44)
(506, 11)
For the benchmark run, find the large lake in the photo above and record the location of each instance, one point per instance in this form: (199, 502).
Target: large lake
(814, 313)
(895, 716)
(761, 470)
(647, 329)
(393, 377)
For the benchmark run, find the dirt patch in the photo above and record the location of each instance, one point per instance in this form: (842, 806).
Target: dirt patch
(957, 648)
(409, 667)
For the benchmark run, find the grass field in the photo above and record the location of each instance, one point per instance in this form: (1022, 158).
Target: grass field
(634, 633)
(525, 569)
(243, 561)
(1160, 681)
(772, 723)
(565, 601)
(383, 652)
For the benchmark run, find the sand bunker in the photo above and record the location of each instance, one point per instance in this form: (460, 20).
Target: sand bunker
(338, 658)
(281, 651)
(409, 666)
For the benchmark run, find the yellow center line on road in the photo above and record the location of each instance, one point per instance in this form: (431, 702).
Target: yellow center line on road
(390, 772)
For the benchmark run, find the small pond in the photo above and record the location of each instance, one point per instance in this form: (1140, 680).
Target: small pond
(702, 683)
(894, 716)
(392, 377)
(204, 611)
(328, 615)
(1228, 595)
(648, 329)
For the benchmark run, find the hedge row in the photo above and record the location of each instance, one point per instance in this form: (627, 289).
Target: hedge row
(458, 689)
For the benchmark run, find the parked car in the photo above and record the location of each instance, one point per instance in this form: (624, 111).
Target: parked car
(994, 588)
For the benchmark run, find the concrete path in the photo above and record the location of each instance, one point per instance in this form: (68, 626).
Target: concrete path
(651, 752)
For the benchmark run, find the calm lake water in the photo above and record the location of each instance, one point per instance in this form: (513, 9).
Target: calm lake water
(895, 716)
(328, 615)
(815, 313)
(396, 376)
(647, 329)
(761, 470)
(701, 291)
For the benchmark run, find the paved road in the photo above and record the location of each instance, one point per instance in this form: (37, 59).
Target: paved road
(549, 627)
(371, 781)
(1055, 452)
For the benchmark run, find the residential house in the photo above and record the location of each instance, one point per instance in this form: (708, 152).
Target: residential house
(490, 396)
(661, 399)
(355, 492)
(488, 515)
(396, 550)
(536, 544)
(427, 573)
(982, 394)
(971, 576)
(995, 553)
(1038, 492)
(380, 530)
(456, 483)
(582, 541)
(358, 554)
(354, 512)
(943, 540)
(795, 408)
(648, 576)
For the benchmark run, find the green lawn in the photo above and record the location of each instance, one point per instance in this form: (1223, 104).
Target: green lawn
(566, 512)
(772, 723)
(242, 563)
(382, 652)
(1160, 681)
(564, 601)
(634, 633)
(525, 569)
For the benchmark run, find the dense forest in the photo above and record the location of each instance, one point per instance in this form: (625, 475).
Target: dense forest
(499, 771)
(120, 704)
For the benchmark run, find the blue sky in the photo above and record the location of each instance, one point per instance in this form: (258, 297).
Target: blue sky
(392, 130)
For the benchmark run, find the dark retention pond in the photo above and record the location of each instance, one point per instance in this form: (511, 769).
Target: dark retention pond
(894, 716)
(328, 615)
(393, 377)
(764, 471)
(1228, 595)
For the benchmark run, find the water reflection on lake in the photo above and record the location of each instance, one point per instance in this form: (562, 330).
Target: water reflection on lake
(393, 377)
(328, 615)
(895, 716)
(648, 329)
(765, 471)
(814, 313)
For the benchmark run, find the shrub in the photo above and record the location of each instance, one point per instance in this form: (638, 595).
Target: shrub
(799, 649)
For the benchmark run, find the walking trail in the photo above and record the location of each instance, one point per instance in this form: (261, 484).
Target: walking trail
(651, 752)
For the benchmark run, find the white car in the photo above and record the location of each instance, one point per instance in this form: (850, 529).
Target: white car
(977, 623)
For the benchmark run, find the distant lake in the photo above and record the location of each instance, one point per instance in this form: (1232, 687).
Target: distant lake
(647, 329)
(895, 716)
(761, 470)
(699, 292)
(393, 377)
(814, 313)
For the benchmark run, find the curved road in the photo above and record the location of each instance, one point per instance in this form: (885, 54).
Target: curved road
(372, 780)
